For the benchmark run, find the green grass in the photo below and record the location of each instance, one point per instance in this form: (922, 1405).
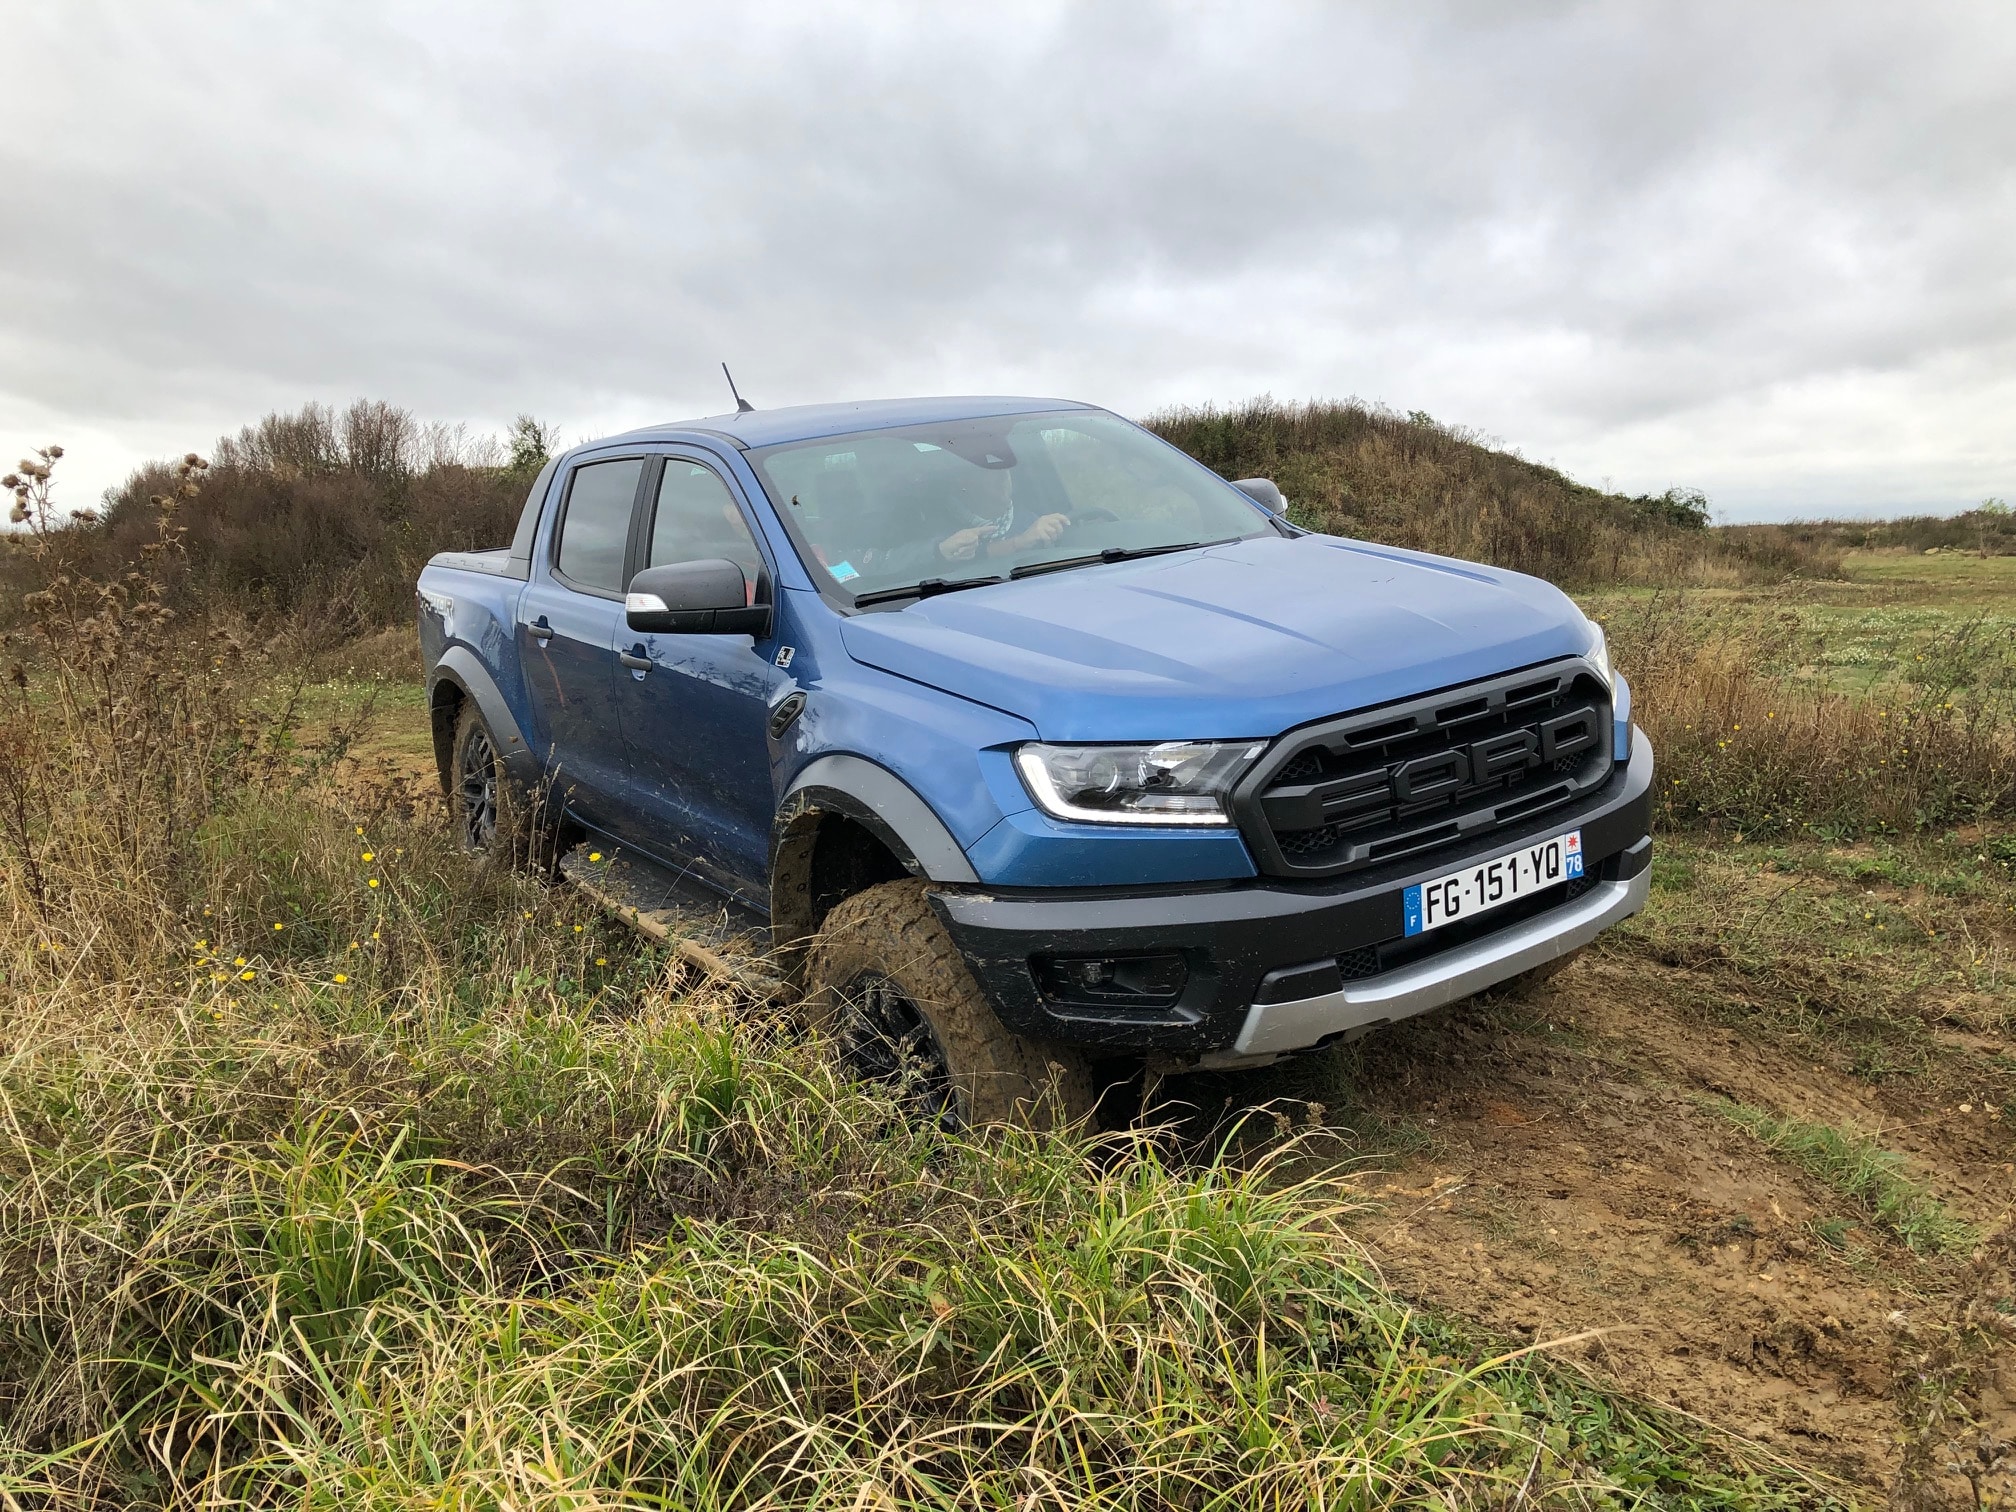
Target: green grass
(459, 1200)
(1862, 955)
(1893, 626)
(1854, 1166)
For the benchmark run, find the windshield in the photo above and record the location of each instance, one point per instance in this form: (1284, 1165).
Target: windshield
(880, 511)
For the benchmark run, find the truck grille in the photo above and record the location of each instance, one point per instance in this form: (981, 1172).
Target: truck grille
(1365, 788)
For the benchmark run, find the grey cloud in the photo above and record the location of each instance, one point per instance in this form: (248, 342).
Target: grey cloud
(1644, 241)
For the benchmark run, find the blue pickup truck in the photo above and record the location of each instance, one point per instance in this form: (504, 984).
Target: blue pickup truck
(1040, 749)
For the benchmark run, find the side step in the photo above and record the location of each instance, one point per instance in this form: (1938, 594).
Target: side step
(721, 942)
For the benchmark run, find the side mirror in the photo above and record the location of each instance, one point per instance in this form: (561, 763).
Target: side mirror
(694, 598)
(1263, 492)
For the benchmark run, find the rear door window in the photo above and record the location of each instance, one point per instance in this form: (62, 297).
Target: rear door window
(595, 528)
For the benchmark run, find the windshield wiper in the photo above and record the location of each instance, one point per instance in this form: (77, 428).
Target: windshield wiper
(926, 589)
(1114, 554)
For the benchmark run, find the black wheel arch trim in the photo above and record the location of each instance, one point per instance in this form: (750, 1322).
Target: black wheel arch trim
(877, 799)
(460, 669)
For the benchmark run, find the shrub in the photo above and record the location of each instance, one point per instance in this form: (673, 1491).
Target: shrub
(1361, 470)
(316, 523)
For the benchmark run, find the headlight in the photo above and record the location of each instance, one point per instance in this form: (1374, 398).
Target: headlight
(1174, 782)
(1599, 653)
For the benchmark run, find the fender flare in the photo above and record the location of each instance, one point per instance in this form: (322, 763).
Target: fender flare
(876, 798)
(888, 805)
(459, 668)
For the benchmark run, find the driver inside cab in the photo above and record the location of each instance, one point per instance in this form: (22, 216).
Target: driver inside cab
(1002, 530)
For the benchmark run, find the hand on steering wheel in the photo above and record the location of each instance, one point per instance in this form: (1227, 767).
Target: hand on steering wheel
(1045, 531)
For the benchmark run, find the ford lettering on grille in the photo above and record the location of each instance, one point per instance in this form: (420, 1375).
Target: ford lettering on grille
(1354, 791)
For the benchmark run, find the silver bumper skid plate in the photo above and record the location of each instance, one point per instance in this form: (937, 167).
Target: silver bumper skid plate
(1277, 1028)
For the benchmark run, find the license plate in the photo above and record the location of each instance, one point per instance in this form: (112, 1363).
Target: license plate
(1491, 884)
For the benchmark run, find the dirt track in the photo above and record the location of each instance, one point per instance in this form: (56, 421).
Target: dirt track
(1576, 1177)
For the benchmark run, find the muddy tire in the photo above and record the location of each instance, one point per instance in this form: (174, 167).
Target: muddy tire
(493, 817)
(886, 985)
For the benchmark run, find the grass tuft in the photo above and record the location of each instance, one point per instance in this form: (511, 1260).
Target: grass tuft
(1855, 1166)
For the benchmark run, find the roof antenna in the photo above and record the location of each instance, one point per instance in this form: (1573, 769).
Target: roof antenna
(742, 406)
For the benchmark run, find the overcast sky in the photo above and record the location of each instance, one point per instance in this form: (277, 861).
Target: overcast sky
(1766, 250)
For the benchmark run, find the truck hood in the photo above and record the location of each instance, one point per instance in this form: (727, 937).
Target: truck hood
(1246, 639)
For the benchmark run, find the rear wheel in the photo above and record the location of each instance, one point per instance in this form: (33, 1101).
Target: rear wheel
(887, 986)
(492, 817)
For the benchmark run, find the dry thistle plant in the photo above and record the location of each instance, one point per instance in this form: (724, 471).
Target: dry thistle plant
(128, 729)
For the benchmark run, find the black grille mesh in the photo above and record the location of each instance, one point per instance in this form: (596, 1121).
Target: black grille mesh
(1402, 780)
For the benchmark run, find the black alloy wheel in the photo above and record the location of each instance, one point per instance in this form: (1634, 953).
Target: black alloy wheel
(476, 785)
(885, 1038)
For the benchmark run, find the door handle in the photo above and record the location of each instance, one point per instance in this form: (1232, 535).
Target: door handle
(541, 631)
(634, 663)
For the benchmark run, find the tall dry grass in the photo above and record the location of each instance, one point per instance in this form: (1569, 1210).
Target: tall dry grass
(1754, 734)
(336, 1171)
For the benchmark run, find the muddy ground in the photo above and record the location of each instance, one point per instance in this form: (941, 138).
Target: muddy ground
(1562, 1162)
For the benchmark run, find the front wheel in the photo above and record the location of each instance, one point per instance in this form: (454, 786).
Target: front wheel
(887, 987)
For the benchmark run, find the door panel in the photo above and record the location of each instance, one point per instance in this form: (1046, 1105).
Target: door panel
(693, 720)
(569, 620)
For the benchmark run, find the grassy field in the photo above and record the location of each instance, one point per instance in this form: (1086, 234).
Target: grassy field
(335, 1171)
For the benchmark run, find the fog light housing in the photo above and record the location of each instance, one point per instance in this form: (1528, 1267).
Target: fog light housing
(1137, 981)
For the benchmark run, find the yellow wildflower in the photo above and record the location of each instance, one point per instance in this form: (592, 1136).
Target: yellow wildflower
(341, 979)
(246, 976)
(372, 883)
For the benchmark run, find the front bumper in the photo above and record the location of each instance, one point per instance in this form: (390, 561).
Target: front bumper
(1272, 967)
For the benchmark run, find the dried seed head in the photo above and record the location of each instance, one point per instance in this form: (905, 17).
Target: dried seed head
(12, 480)
(192, 460)
(52, 452)
(18, 515)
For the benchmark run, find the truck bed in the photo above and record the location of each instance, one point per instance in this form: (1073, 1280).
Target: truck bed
(498, 563)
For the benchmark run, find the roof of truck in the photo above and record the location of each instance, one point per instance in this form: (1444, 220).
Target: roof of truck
(804, 422)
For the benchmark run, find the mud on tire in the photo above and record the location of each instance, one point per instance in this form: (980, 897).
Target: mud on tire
(493, 817)
(887, 986)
